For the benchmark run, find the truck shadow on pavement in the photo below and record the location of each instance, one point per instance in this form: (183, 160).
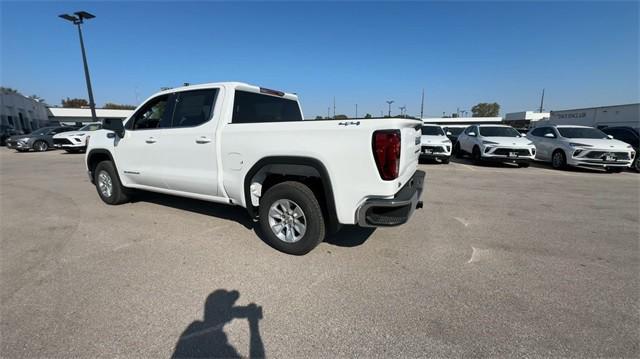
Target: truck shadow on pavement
(348, 236)
(207, 339)
(233, 213)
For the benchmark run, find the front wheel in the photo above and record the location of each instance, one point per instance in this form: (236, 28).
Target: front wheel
(636, 164)
(446, 160)
(457, 151)
(291, 218)
(40, 146)
(108, 184)
(476, 154)
(558, 160)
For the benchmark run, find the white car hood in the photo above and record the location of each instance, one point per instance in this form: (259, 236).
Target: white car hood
(509, 141)
(606, 144)
(70, 134)
(434, 140)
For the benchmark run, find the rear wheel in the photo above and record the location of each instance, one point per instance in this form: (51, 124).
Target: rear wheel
(108, 184)
(40, 146)
(523, 164)
(636, 164)
(291, 218)
(558, 160)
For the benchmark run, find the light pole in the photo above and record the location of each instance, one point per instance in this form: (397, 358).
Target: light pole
(356, 110)
(78, 19)
(389, 103)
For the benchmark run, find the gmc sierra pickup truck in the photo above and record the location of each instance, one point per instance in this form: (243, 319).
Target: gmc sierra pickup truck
(249, 146)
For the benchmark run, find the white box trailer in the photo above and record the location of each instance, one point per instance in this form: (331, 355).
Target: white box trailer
(604, 116)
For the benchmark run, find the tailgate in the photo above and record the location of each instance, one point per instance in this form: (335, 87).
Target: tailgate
(410, 149)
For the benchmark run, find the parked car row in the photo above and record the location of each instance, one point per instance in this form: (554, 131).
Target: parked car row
(612, 149)
(70, 138)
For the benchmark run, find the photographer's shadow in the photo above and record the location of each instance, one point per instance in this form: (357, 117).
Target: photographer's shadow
(206, 338)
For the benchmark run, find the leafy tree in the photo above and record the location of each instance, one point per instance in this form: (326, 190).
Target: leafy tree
(115, 106)
(486, 109)
(9, 90)
(75, 103)
(341, 117)
(36, 98)
(368, 116)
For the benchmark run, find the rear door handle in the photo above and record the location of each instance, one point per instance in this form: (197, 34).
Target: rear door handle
(150, 140)
(203, 140)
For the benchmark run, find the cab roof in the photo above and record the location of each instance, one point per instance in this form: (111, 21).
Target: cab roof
(232, 86)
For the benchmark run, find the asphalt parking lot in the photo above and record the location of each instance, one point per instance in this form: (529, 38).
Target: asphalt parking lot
(502, 261)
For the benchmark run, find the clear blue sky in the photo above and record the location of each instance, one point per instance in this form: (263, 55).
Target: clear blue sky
(583, 53)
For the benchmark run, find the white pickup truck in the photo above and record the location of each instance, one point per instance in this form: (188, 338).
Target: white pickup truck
(249, 146)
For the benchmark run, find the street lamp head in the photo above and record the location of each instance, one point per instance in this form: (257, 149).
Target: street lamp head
(68, 17)
(84, 15)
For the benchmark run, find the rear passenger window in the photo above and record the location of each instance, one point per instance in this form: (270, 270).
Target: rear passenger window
(193, 108)
(249, 107)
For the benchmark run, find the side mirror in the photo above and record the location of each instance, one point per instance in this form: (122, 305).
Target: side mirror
(114, 125)
(448, 133)
(610, 137)
(549, 135)
(472, 134)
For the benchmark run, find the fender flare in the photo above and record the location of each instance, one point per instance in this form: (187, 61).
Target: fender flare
(294, 161)
(102, 151)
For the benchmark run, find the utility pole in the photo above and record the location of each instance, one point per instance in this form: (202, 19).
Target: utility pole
(542, 101)
(356, 110)
(422, 105)
(328, 112)
(334, 107)
(78, 19)
(389, 103)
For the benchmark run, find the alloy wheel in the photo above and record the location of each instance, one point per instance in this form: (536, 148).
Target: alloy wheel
(105, 184)
(287, 220)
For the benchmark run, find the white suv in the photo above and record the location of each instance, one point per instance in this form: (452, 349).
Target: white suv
(580, 146)
(495, 143)
(435, 144)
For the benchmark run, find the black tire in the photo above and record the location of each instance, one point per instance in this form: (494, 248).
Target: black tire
(476, 154)
(40, 146)
(636, 163)
(72, 150)
(118, 193)
(558, 160)
(446, 160)
(457, 151)
(306, 201)
(523, 164)
(614, 169)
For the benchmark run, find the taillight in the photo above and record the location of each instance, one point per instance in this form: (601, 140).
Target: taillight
(386, 151)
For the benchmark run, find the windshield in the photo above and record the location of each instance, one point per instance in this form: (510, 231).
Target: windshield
(90, 127)
(498, 132)
(432, 131)
(581, 132)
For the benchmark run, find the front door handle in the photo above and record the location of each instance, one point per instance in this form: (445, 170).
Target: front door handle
(203, 140)
(150, 140)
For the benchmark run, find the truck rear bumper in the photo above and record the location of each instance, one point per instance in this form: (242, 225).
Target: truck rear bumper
(379, 212)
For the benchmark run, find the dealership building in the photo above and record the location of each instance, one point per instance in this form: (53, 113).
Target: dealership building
(26, 114)
(525, 119)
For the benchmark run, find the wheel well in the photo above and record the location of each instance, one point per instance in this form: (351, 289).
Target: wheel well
(310, 172)
(96, 158)
(559, 150)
